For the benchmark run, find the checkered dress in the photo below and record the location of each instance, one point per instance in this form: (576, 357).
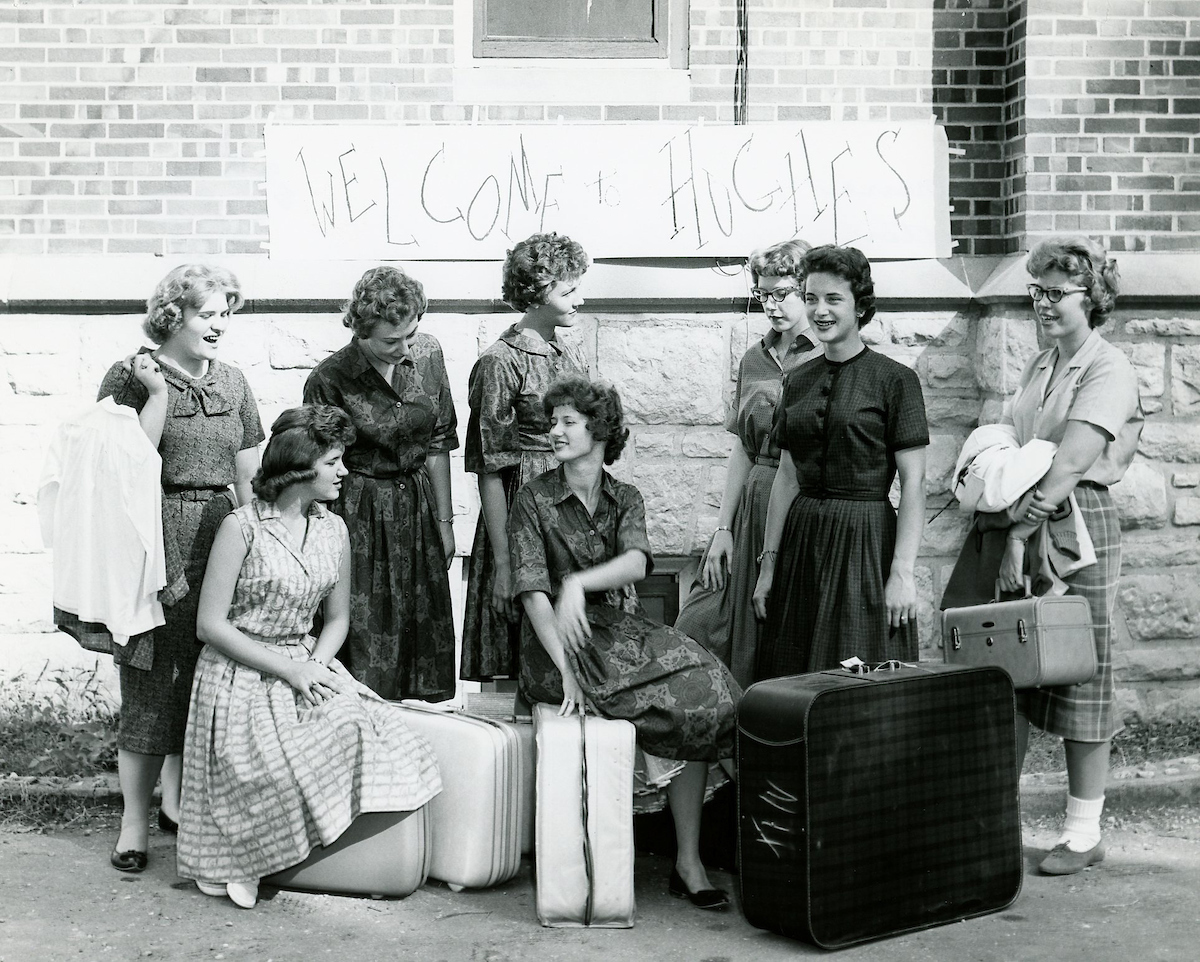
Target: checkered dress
(1084, 713)
(266, 777)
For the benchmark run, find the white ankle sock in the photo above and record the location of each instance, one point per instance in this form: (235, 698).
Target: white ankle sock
(1081, 831)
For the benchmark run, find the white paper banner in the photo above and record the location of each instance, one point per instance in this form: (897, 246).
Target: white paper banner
(467, 192)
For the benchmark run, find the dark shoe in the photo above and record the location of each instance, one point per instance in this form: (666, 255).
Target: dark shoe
(1062, 861)
(131, 861)
(704, 899)
(167, 824)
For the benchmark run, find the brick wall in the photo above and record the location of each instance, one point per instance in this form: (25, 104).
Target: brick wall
(1111, 123)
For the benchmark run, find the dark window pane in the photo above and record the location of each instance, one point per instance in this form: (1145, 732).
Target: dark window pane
(570, 19)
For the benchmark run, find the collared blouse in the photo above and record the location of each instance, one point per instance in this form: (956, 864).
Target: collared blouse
(507, 385)
(398, 424)
(759, 386)
(551, 534)
(1099, 387)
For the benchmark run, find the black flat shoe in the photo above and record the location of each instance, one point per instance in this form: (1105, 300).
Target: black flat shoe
(167, 824)
(131, 861)
(712, 899)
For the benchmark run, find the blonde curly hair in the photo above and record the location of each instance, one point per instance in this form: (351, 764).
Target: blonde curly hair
(188, 285)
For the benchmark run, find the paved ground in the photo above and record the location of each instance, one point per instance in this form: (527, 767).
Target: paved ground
(59, 900)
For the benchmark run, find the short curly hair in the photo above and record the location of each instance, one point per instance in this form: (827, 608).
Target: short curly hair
(535, 264)
(1086, 263)
(599, 403)
(785, 259)
(384, 294)
(187, 286)
(852, 266)
(300, 437)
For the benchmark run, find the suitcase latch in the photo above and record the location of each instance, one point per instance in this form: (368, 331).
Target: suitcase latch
(991, 641)
(955, 641)
(1022, 636)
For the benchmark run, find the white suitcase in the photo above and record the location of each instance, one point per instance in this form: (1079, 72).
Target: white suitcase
(380, 854)
(584, 838)
(475, 822)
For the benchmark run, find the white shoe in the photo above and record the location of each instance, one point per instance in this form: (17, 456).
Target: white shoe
(243, 894)
(215, 889)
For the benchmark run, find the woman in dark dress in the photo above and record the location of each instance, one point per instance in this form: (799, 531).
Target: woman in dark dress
(578, 542)
(395, 501)
(836, 572)
(508, 440)
(201, 415)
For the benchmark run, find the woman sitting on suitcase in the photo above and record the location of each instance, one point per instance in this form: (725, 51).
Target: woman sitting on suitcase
(578, 543)
(284, 748)
(1081, 393)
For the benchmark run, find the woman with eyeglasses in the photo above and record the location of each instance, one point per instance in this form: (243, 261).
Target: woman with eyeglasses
(395, 501)
(1081, 393)
(836, 574)
(719, 612)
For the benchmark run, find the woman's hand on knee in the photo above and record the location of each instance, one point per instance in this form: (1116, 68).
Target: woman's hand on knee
(315, 682)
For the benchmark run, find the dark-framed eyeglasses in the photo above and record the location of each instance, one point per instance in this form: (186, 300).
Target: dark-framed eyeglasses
(1052, 294)
(778, 295)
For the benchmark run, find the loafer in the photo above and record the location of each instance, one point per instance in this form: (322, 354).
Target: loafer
(1063, 861)
(167, 824)
(711, 899)
(131, 861)
(243, 894)
(215, 889)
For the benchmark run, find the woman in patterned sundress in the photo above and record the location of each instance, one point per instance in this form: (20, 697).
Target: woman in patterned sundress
(719, 611)
(200, 414)
(578, 542)
(284, 748)
(1082, 393)
(849, 422)
(396, 501)
(508, 439)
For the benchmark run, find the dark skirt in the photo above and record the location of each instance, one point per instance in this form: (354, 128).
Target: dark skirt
(1084, 713)
(401, 639)
(154, 702)
(723, 621)
(491, 643)
(826, 602)
(681, 700)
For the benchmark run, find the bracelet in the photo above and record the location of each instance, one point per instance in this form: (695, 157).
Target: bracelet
(722, 527)
(764, 553)
(445, 521)
(1013, 537)
(323, 664)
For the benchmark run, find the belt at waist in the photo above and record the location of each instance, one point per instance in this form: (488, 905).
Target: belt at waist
(766, 461)
(822, 495)
(1094, 485)
(184, 493)
(397, 476)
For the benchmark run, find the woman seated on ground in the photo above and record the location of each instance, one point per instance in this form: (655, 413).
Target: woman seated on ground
(284, 748)
(578, 541)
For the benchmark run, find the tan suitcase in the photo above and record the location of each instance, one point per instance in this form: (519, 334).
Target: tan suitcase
(1042, 642)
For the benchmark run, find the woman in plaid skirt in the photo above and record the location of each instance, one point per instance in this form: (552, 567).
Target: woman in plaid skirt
(1082, 394)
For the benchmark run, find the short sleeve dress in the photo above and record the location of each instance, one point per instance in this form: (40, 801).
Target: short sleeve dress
(842, 424)
(509, 435)
(209, 420)
(680, 698)
(266, 776)
(1098, 386)
(401, 641)
(723, 620)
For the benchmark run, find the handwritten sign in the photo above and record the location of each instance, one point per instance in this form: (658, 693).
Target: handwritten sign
(466, 192)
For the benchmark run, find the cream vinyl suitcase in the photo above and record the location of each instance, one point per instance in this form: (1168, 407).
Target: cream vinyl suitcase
(584, 848)
(502, 707)
(381, 854)
(476, 820)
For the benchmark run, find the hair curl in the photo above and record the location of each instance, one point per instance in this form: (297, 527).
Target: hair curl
(300, 437)
(533, 266)
(852, 266)
(1086, 263)
(384, 294)
(599, 403)
(785, 259)
(187, 286)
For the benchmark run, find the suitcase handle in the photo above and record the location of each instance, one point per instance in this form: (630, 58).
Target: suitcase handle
(1028, 588)
(588, 866)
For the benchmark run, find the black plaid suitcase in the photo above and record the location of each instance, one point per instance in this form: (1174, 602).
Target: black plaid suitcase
(879, 803)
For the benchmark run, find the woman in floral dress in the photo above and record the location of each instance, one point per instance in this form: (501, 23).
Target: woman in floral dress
(578, 541)
(508, 440)
(200, 414)
(284, 748)
(396, 501)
